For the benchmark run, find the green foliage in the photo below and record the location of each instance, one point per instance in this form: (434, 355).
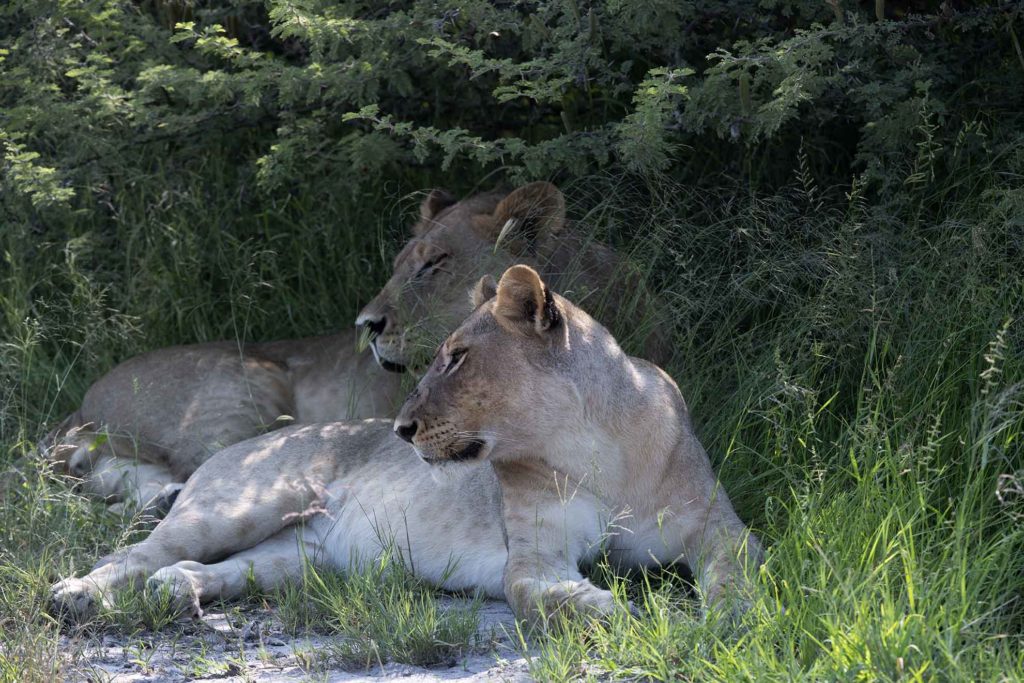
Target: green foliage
(291, 90)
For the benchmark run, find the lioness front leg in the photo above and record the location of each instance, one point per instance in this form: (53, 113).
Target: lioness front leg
(720, 550)
(547, 536)
(538, 596)
(206, 523)
(267, 566)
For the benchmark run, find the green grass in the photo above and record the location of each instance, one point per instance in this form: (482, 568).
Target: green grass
(854, 370)
(382, 613)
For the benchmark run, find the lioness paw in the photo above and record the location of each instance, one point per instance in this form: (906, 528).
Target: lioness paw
(541, 602)
(589, 600)
(175, 588)
(75, 600)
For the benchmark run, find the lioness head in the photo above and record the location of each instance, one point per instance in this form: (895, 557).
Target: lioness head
(502, 382)
(453, 245)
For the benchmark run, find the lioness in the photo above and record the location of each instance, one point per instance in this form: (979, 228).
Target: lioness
(455, 243)
(573, 447)
(145, 426)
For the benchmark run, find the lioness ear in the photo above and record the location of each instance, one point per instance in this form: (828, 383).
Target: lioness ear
(436, 201)
(524, 302)
(527, 216)
(484, 291)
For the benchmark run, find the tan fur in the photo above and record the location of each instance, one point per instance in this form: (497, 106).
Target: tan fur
(575, 448)
(455, 243)
(146, 425)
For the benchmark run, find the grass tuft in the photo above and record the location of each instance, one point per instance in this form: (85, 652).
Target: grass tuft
(382, 613)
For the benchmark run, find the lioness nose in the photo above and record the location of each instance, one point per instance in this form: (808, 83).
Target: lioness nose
(406, 430)
(375, 324)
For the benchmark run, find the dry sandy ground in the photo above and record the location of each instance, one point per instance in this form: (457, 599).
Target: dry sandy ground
(249, 645)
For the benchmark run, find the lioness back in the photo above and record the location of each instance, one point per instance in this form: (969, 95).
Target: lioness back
(155, 418)
(176, 406)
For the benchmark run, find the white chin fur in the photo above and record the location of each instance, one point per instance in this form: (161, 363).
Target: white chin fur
(447, 471)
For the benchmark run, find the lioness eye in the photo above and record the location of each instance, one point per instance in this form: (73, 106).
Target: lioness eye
(455, 360)
(430, 265)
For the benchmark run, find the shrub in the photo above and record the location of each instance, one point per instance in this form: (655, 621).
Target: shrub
(98, 92)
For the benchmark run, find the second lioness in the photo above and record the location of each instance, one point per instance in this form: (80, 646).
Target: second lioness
(566, 447)
(455, 243)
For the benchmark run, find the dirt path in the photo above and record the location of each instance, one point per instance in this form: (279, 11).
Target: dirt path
(250, 645)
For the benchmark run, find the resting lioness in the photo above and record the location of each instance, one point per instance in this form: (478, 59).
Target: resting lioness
(571, 446)
(455, 243)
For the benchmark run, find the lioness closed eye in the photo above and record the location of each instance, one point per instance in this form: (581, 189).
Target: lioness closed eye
(562, 434)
